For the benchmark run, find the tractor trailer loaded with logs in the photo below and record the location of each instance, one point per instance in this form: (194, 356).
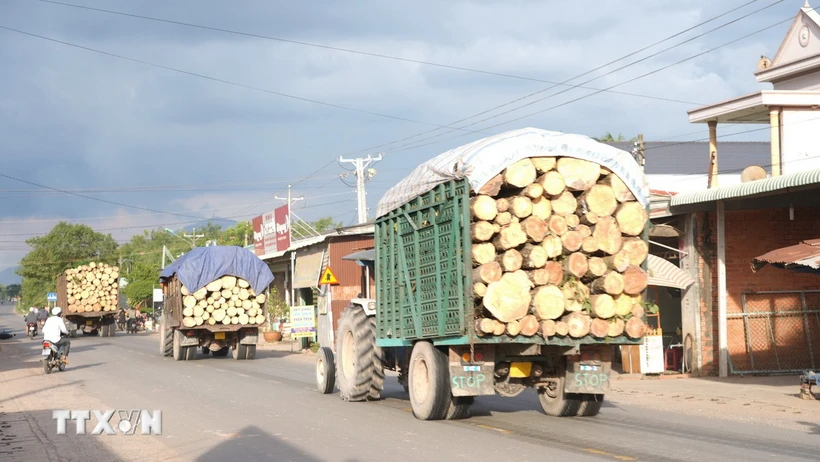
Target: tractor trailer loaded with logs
(215, 299)
(89, 296)
(515, 261)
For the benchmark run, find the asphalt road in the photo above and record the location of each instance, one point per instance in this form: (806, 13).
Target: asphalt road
(268, 409)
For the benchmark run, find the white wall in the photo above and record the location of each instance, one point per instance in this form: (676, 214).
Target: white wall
(800, 140)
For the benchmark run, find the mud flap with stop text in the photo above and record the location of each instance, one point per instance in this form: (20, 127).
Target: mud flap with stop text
(588, 372)
(473, 377)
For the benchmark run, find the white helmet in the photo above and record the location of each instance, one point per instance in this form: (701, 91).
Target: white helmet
(57, 310)
(32, 309)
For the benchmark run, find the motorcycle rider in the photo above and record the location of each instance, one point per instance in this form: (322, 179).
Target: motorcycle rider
(42, 315)
(55, 325)
(133, 313)
(31, 318)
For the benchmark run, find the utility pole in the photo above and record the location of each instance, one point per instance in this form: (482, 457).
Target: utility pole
(362, 177)
(639, 152)
(193, 237)
(289, 200)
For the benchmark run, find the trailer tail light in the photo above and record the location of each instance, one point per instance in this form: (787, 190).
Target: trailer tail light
(477, 357)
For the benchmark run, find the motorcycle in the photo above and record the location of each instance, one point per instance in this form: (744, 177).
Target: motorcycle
(31, 328)
(52, 357)
(131, 326)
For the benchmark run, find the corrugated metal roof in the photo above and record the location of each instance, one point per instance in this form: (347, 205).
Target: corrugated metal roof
(692, 157)
(747, 189)
(803, 256)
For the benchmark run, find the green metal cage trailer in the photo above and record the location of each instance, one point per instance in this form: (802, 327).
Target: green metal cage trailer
(427, 320)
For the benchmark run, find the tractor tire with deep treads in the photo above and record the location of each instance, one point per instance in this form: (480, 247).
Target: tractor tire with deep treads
(166, 339)
(377, 383)
(355, 351)
(429, 382)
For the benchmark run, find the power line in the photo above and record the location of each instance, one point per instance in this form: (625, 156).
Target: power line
(372, 148)
(655, 71)
(199, 75)
(216, 79)
(376, 55)
(96, 198)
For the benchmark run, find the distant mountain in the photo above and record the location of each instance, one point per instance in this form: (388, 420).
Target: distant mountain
(223, 222)
(8, 276)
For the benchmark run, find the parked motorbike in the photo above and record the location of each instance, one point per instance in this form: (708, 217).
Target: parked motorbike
(31, 329)
(52, 357)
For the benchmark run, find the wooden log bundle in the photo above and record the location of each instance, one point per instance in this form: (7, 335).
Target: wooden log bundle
(557, 252)
(227, 300)
(92, 287)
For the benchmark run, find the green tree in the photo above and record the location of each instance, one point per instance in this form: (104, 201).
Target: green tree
(238, 234)
(301, 229)
(13, 290)
(142, 279)
(608, 138)
(141, 260)
(66, 246)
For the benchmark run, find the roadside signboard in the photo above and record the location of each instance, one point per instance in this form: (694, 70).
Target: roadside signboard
(303, 321)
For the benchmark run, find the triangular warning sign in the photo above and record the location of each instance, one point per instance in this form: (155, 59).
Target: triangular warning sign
(328, 277)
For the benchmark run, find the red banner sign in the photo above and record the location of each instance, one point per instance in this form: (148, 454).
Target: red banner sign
(258, 237)
(282, 220)
(271, 231)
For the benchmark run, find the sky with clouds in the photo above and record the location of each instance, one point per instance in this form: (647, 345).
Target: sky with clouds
(211, 123)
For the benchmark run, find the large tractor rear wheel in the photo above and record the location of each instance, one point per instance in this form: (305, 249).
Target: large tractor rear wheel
(355, 353)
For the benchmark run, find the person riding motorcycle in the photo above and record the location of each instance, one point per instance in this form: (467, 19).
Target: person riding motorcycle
(133, 315)
(54, 327)
(42, 315)
(31, 318)
(121, 319)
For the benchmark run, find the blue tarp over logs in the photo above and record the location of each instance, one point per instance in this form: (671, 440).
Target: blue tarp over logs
(202, 265)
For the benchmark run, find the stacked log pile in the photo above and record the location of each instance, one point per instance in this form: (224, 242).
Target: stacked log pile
(557, 252)
(92, 287)
(227, 300)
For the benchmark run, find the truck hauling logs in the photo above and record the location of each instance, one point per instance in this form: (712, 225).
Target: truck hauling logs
(90, 297)
(215, 298)
(515, 261)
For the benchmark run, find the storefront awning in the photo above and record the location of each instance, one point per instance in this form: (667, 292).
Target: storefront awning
(366, 255)
(662, 273)
(308, 266)
(803, 257)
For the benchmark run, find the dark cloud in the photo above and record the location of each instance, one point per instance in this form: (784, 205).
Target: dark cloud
(71, 118)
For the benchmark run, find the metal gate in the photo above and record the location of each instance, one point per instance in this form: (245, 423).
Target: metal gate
(777, 332)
